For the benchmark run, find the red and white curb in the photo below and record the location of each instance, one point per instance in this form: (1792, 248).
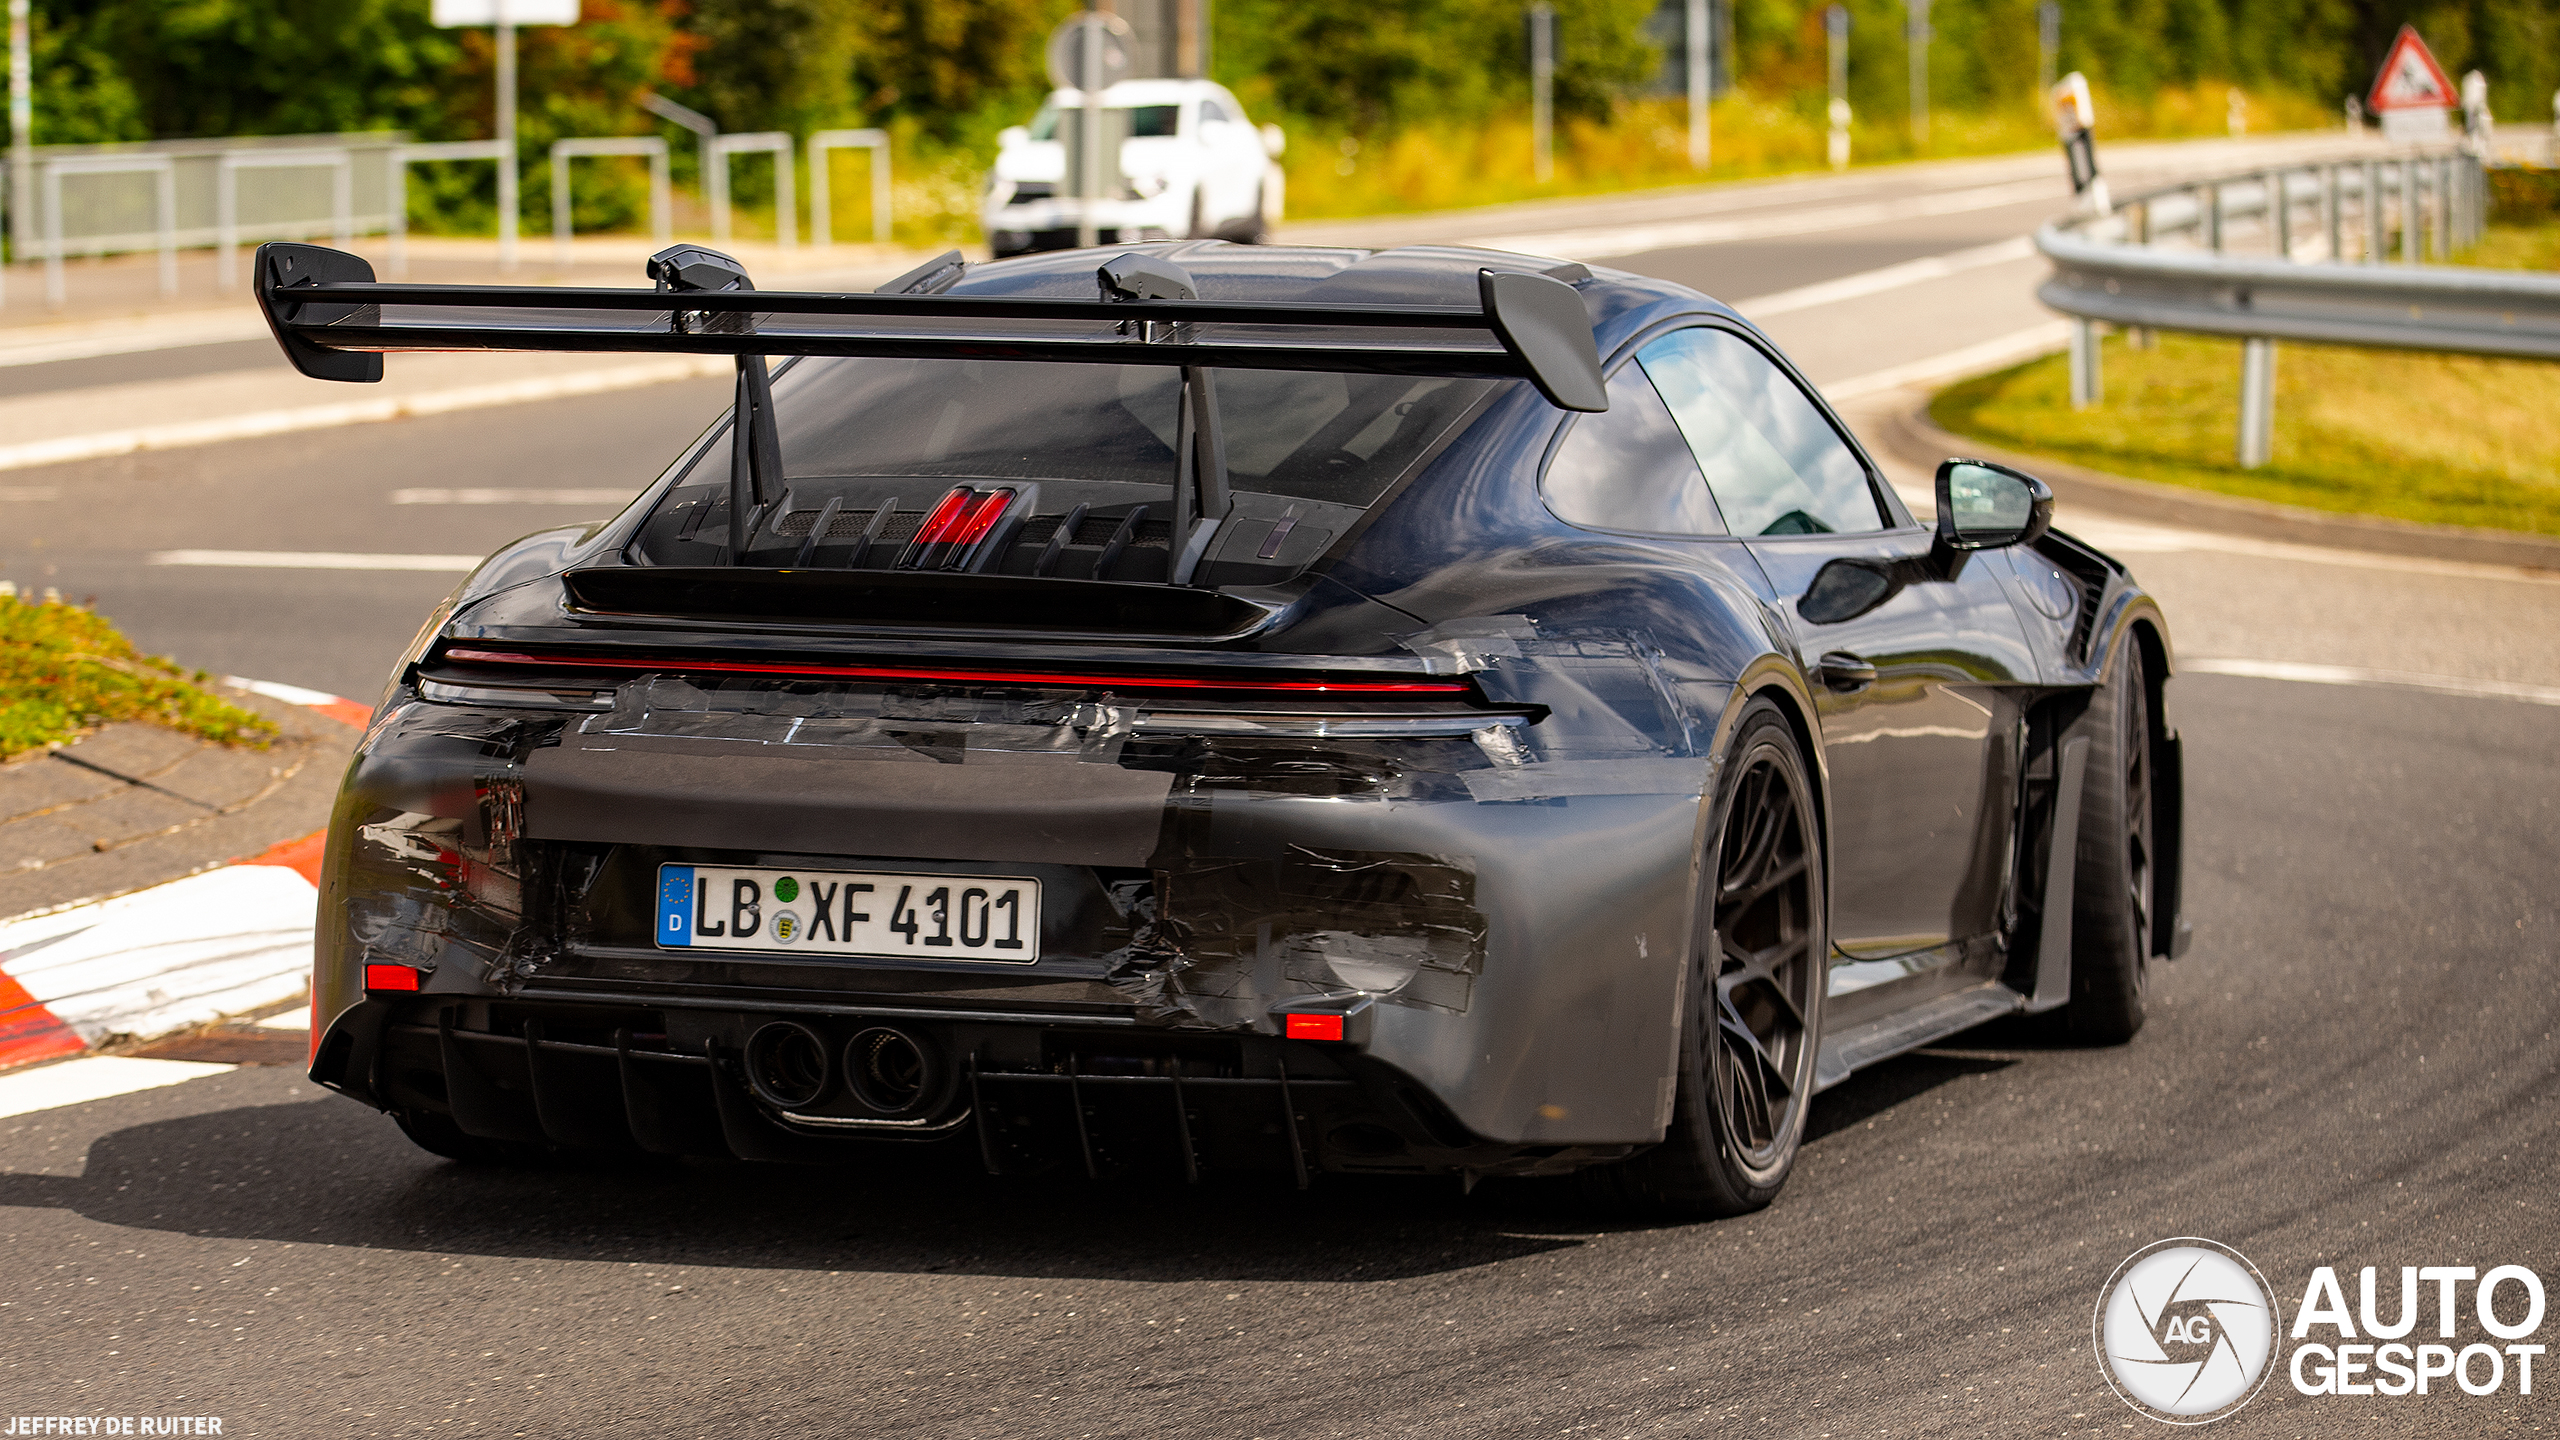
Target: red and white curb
(226, 941)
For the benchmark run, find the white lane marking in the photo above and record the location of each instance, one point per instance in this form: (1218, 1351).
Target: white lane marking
(129, 337)
(289, 1020)
(97, 1077)
(2358, 675)
(1883, 278)
(2126, 537)
(321, 417)
(1988, 355)
(229, 940)
(1607, 241)
(314, 560)
(278, 690)
(597, 496)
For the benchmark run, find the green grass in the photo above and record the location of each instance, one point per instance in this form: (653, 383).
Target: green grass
(64, 669)
(2440, 439)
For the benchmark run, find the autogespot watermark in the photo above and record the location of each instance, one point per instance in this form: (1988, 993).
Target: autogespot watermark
(2187, 1331)
(2184, 1329)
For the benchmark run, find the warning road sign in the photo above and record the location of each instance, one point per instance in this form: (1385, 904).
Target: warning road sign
(2411, 93)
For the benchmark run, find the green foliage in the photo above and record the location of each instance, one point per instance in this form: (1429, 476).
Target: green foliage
(1360, 67)
(944, 75)
(2359, 431)
(64, 669)
(957, 70)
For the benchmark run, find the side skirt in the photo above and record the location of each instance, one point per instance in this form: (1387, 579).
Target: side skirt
(1864, 1045)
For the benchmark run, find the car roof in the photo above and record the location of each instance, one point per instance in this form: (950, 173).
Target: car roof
(1145, 92)
(1340, 275)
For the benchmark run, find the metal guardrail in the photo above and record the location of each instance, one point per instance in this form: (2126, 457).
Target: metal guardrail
(2114, 270)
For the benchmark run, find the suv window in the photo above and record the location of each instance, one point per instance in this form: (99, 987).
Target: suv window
(1627, 468)
(1148, 122)
(1777, 467)
(1211, 110)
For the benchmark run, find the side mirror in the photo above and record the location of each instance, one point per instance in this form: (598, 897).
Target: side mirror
(1012, 135)
(1982, 506)
(1273, 141)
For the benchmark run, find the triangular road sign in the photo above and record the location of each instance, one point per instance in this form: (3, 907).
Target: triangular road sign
(2410, 78)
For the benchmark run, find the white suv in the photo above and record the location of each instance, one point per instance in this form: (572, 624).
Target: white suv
(1191, 167)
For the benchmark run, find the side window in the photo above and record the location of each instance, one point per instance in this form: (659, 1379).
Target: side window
(1775, 464)
(1211, 110)
(1628, 469)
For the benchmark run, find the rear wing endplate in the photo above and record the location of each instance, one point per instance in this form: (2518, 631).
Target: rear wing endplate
(335, 320)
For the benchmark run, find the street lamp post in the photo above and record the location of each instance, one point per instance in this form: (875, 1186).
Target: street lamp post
(1542, 89)
(2048, 43)
(1701, 92)
(1835, 25)
(22, 139)
(507, 203)
(1916, 23)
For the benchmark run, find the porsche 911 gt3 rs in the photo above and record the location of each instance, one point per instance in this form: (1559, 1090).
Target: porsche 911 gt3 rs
(1206, 707)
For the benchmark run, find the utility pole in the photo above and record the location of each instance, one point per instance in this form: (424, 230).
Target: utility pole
(1701, 87)
(1835, 25)
(1190, 48)
(1916, 26)
(1089, 89)
(1542, 89)
(2048, 43)
(507, 203)
(22, 139)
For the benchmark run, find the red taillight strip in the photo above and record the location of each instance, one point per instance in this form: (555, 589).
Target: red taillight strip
(1081, 680)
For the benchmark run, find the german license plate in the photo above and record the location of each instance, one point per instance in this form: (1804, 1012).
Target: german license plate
(834, 912)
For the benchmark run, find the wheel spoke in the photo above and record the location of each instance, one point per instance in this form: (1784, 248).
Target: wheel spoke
(1737, 1033)
(1746, 894)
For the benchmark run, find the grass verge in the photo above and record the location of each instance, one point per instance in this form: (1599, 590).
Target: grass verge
(2438, 439)
(64, 669)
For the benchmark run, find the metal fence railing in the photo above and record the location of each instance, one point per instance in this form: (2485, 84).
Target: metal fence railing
(2325, 238)
(92, 201)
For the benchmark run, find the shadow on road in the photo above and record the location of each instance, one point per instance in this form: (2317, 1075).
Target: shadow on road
(1871, 1092)
(327, 1172)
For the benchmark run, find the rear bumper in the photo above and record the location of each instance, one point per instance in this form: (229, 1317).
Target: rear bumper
(1019, 1096)
(1508, 957)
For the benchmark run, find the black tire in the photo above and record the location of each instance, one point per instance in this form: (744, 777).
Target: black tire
(1752, 1008)
(438, 1135)
(2114, 884)
(1250, 229)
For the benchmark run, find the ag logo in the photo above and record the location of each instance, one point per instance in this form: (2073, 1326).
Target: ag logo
(2185, 1329)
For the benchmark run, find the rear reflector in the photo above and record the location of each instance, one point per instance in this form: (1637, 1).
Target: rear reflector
(1314, 1027)
(680, 665)
(401, 977)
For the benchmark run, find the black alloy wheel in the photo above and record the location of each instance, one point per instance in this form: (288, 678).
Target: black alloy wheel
(2113, 881)
(1753, 1012)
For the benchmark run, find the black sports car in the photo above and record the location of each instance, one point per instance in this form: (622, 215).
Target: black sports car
(1226, 708)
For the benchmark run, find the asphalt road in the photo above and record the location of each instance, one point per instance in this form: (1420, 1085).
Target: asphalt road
(2354, 1066)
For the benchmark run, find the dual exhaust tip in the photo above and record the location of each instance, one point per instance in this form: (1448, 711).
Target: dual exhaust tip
(886, 1069)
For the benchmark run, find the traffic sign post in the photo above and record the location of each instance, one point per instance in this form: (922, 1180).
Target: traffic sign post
(1089, 53)
(2412, 94)
(505, 16)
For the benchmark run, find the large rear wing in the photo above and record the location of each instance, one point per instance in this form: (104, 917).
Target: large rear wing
(334, 320)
